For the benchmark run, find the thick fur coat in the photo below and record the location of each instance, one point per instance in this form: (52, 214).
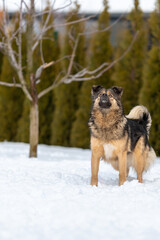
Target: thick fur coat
(120, 140)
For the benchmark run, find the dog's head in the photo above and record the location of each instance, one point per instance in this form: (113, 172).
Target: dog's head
(106, 99)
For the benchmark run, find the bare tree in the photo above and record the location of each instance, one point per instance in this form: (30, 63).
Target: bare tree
(15, 58)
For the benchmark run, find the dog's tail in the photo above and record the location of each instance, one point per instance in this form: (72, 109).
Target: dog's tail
(142, 114)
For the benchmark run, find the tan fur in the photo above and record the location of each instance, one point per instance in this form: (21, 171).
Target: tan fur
(108, 135)
(140, 159)
(105, 124)
(118, 159)
(150, 158)
(97, 153)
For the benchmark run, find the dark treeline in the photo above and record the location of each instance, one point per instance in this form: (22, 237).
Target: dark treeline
(64, 113)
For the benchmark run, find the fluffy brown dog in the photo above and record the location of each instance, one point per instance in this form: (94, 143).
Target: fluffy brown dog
(118, 139)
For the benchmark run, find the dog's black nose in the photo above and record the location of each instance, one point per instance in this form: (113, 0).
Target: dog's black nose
(104, 97)
(104, 101)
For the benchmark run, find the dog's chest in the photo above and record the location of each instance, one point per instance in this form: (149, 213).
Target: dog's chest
(108, 150)
(107, 130)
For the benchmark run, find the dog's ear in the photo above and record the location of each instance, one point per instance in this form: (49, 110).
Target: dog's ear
(96, 89)
(117, 90)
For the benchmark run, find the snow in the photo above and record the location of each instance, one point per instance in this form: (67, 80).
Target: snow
(51, 198)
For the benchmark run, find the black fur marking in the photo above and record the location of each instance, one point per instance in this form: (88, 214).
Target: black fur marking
(144, 120)
(117, 90)
(136, 129)
(96, 90)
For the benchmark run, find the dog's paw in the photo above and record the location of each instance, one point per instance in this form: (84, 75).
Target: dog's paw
(94, 182)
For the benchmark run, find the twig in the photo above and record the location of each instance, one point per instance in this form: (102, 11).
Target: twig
(41, 52)
(54, 84)
(73, 56)
(46, 65)
(10, 84)
(71, 22)
(85, 33)
(42, 31)
(53, 10)
(26, 5)
(79, 76)
(11, 55)
(105, 29)
(20, 38)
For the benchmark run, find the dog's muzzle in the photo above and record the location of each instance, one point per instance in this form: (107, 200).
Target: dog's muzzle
(104, 101)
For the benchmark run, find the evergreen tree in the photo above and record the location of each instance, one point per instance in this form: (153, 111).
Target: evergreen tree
(128, 71)
(11, 100)
(1, 61)
(150, 93)
(50, 48)
(67, 95)
(1, 55)
(100, 52)
(23, 123)
(10, 104)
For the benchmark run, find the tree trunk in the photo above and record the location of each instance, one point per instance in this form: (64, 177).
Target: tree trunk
(34, 129)
(34, 118)
(34, 115)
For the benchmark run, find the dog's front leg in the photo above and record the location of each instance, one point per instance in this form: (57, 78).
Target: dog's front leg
(94, 168)
(122, 167)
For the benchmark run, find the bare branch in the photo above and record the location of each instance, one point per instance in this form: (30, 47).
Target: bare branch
(43, 30)
(41, 52)
(41, 68)
(10, 84)
(20, 38)
(77, 41)
(86, 19)
(80, 75)
(8, 50)
(4, 18)
(71, 22)
(17, 31)
(53, 10)
(105, 29)
(84, 71)
(63, 7)
(25, 5)
(46, 65)
(73, 55)
(56, 83)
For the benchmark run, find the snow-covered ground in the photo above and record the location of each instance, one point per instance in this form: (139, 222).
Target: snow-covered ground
(50, 198)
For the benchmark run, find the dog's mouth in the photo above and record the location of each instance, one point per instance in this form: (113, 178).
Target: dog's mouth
(104, 101)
